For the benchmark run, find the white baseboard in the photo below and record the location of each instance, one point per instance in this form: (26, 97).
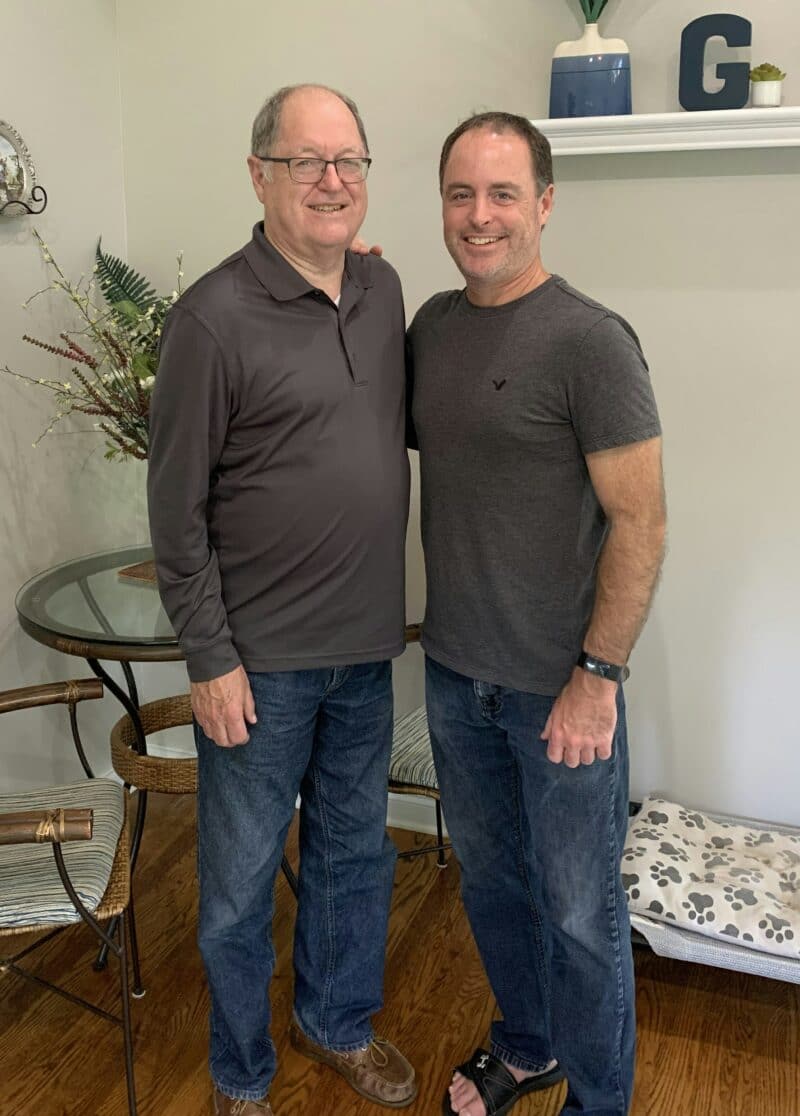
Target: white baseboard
(408, 811)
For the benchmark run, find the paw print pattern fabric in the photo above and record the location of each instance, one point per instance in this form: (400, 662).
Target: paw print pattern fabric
(723, 879)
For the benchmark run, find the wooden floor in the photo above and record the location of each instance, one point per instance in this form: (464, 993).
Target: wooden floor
(711, 1043)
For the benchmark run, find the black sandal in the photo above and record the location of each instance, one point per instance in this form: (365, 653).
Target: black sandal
(497, 1088)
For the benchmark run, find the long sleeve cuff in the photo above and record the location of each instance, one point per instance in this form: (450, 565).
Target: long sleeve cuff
(212, 662)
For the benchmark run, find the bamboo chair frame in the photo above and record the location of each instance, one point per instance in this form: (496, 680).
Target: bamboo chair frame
(56, 827)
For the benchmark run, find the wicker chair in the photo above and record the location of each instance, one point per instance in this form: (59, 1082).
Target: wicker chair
(167, 774)
(411, 768)
(87, 877)
(411, 771)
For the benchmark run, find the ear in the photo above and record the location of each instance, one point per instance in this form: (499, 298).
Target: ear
(544, 204)
(256, 168)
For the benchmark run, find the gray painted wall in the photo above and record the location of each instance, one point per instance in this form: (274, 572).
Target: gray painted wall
(698, 250)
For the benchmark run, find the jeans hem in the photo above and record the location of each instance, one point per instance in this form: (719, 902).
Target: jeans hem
(512, 1059)
(348, 1048)
(240, 1094)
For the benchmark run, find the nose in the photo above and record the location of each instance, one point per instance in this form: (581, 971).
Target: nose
(480, 211)
(330, 179)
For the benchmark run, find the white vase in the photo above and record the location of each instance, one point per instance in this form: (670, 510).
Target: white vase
(590, 76)
(590, 42)
(766, 94)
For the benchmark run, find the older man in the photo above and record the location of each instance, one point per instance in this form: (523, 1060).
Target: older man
(543, 529)
(278, 491)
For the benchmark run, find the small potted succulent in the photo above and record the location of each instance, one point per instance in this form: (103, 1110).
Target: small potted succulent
(766, 87)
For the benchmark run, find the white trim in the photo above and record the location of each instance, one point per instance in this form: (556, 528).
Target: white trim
(674, 131)
(411, 811)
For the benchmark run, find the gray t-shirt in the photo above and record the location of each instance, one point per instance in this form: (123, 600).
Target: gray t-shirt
(278, 475)
(507, 401)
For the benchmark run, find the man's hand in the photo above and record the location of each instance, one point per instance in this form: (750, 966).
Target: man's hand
(361, 248)
(581, 724)
(224, 707)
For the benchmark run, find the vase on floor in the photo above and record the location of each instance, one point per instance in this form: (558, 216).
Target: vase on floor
(591, 76)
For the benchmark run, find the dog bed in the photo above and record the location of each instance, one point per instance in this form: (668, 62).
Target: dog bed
(717, 890)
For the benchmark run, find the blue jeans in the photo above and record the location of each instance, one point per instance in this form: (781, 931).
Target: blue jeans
(539, 845)
(328, 735)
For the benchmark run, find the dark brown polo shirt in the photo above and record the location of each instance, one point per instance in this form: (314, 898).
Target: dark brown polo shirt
(278, 476)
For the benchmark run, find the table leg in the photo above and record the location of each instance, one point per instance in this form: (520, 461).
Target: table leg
(130, 681)
(76, 738)
(288, 872)
(130, 703)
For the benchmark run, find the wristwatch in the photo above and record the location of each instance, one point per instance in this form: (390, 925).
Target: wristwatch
(602, 669)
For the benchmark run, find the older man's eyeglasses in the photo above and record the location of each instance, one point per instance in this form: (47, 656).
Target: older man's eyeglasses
(303, 169)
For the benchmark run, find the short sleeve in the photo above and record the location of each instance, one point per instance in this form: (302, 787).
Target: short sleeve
(610, 394)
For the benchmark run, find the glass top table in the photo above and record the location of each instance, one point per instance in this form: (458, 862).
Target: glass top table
(84, 607)
(89, 607)
(97, 608)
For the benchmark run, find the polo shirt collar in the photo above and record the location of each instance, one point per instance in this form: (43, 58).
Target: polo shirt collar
(283, 282)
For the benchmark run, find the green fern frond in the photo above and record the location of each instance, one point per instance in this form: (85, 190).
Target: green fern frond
(120, 283)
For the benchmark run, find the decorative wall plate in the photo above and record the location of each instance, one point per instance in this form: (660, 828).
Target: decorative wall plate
(19, 193)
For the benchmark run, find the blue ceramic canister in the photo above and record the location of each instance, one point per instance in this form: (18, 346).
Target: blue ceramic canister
(591, 76)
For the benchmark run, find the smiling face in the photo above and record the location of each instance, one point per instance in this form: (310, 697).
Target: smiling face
(493, 219)
(311, 223)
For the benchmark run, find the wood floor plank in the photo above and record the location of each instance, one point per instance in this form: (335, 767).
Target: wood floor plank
(711, 1043)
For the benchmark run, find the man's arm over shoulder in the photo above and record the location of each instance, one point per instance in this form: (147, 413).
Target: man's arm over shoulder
(188, 422)
(375, 271)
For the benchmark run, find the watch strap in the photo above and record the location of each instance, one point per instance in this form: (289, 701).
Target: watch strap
(612, 671)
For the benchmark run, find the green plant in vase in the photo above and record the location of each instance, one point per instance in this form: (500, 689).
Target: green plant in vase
(766, 86)
(767, 72)
(112, 351)
(592, 9)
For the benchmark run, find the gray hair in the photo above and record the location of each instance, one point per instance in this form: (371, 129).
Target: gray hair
(268, 121)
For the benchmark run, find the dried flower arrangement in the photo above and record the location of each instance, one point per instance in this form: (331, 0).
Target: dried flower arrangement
(113, 352)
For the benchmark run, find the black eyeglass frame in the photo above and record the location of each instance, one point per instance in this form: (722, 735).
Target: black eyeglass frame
(315, 159)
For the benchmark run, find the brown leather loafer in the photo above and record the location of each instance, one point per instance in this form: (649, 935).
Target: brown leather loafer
(379, 1072)
(228, 1106)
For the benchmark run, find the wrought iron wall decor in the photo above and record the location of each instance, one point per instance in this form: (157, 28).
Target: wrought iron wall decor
(19, 192)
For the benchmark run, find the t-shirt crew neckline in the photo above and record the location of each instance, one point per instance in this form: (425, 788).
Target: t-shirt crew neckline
(506, 307)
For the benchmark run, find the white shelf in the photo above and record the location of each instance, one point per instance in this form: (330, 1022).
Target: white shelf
(674, 131)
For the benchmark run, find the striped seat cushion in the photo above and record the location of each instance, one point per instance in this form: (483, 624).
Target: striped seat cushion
(31, 891)
(412, 760)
